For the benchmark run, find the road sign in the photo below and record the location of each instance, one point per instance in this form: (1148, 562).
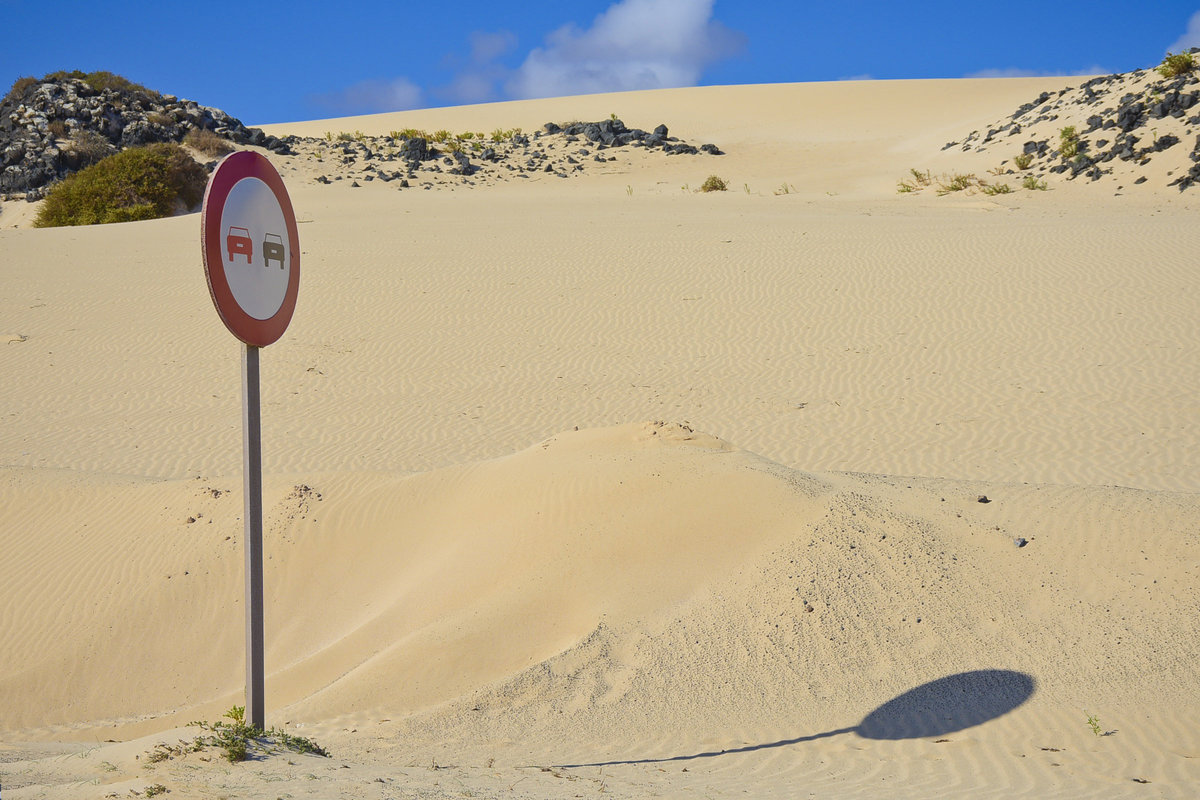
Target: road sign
(252, 263)
(251, 248)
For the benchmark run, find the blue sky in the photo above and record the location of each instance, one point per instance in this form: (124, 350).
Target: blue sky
(288, 61)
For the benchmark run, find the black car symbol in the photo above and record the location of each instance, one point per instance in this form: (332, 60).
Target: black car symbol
(273, 250)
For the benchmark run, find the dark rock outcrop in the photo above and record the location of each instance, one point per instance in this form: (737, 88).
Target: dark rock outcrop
(45, 124)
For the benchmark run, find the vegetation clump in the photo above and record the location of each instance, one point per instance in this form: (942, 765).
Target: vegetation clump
(139, 183)
(957, 183)
(919, 181)
(19, 86)
(208, 142)
(1176, 64)
(99, 81)
(714, 183)
(1068, 142)
(236, 739)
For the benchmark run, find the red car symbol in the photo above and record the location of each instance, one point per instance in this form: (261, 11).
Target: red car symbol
(273, 250)
(238, 241)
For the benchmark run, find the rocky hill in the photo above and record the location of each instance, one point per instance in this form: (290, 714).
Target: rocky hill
(1126, 129)
(52, 127)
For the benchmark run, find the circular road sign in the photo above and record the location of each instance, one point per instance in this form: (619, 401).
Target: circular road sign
(251, 248)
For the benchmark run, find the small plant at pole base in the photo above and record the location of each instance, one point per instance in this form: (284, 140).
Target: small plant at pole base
(236, 739)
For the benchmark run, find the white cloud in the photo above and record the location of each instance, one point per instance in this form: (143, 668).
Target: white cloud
(1017, 72)
(1008, 72)
(634, 44)
(373, 96)
(471, 86)
(476, 79)
(1189, 39)
(487, 47)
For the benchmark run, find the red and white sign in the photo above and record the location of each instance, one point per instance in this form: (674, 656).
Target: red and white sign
(251, 248)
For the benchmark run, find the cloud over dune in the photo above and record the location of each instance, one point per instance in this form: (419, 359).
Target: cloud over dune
(371, 96)
(635, 44)
(1191, 38)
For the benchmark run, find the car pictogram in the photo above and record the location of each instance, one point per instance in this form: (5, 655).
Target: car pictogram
(273, 249)
(238, 241)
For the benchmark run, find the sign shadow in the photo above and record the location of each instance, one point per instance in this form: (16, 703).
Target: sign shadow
(946, 705)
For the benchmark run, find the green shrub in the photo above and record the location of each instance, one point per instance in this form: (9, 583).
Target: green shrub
(139, 183)
(1068, 142)
(236, 739)
(409, 133)
(1176, 64)
(919, 181)
(1023, 160)
(207, 142)
(1031, 182)
(713, 184)
(956, 183)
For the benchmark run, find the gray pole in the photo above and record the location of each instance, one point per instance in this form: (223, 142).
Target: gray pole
(252, 489)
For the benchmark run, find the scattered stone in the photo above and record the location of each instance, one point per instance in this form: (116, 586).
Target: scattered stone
(983, 498)
(1020, 541)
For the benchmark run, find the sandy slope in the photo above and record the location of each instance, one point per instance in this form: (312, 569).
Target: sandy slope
(488, 573)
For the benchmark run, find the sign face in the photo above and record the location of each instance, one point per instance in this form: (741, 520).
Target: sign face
(251, 248)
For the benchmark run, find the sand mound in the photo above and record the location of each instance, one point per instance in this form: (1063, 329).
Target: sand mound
(642, 594)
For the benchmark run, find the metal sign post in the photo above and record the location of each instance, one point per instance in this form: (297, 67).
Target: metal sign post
(252, 490)
(252, 263)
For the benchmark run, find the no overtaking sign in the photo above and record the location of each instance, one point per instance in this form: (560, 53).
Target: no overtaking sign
(251, 248)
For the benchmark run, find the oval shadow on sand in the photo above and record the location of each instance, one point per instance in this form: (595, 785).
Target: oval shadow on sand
(946, 705)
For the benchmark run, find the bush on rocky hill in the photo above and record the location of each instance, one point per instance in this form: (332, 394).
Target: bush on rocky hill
(1176, 64)
(148, 182)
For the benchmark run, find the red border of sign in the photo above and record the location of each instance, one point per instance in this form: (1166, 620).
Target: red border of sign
(233, 168)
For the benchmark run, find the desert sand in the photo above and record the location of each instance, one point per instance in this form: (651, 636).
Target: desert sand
(602, 486)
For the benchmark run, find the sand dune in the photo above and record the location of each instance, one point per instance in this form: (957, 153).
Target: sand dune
(603, 486)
